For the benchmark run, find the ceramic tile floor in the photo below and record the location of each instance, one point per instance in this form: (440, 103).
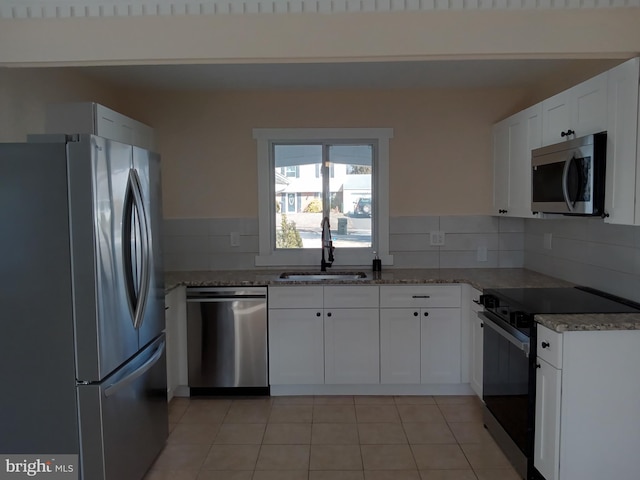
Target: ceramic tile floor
(329, 438)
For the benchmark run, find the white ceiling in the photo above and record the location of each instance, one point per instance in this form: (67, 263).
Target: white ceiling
(350, 75)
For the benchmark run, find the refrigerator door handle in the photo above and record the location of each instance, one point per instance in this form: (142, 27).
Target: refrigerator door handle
(134, 201)
(122, 383)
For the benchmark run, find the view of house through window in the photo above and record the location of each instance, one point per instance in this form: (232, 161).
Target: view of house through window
(314, 180)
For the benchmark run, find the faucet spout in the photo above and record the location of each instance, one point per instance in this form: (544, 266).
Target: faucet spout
(326, 244)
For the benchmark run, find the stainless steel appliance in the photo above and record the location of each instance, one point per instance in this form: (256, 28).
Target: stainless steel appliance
(569, 177)
(509, 368)
(227, 340)
(82, 350)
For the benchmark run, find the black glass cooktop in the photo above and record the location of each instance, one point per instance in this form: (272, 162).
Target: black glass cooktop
(562, 300)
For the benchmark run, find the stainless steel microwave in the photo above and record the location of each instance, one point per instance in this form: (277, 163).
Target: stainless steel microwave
(568, 178)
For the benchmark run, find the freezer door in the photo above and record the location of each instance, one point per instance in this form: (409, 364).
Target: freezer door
(147, 167)
(123, 420)
(98, 178)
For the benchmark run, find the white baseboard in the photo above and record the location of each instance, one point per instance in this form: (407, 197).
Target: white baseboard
(433, 389)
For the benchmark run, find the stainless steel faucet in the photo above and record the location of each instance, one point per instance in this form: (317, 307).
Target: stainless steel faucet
(326, 244)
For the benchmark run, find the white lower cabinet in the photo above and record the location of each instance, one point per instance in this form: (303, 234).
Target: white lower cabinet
(587, 422)
(547, 423)
(176, 337)
(400, 345)
(363, 335)
(422, 342)
(476, 340)
(296, 346)
(440, 345)
(351, 346)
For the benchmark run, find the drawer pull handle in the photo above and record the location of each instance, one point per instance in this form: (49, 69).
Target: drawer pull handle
(415, 314)
(329, 314)
(426, 314)
(318, 314)
(545, 344)
(421, 296)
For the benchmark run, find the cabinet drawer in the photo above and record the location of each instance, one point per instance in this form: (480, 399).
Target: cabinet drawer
(420, 296)
(550, 346)
(295, 297)
(351, 297)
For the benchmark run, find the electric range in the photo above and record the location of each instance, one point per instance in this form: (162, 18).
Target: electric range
(509, 358)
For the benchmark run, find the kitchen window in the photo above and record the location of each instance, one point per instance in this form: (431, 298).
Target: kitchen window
(341, 174)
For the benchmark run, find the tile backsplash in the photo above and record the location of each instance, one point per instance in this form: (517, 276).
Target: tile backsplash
(478, 241)
(586, 251)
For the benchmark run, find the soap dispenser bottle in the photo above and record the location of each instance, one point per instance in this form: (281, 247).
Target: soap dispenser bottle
(377, 263)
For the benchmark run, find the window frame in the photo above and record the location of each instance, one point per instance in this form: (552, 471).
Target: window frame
(268, 255)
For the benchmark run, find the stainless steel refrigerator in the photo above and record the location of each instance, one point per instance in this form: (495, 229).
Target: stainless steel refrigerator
(82, 348)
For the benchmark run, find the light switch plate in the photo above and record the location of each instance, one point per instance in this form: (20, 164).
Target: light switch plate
(436, 239)
(482, 254)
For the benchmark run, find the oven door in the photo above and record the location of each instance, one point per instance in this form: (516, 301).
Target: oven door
(507, 392)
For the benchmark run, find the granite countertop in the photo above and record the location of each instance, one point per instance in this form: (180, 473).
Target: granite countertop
(584, 322)
(479, 278)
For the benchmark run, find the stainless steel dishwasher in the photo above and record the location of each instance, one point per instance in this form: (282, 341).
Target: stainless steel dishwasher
(227, 340)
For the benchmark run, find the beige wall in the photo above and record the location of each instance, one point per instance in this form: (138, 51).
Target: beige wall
(440, 156)
(24, 94)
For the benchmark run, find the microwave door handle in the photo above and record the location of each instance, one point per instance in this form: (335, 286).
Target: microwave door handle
(565, 183)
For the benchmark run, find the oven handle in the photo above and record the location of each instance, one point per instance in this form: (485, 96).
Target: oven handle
(524, 346)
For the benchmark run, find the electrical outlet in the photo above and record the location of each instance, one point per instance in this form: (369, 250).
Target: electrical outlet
(235, 239)
(547, 241)
(482, 254)
(436, 239)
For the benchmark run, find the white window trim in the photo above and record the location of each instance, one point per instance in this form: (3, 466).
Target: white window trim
(268, 256)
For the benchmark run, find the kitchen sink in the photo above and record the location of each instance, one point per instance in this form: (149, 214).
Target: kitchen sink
(321, 276)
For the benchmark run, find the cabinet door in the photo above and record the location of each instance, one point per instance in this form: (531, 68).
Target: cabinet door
(525, 134)
(546, 453)
(621, 203)
(296, 351)
(112, 125)
(582, 108)
(400, 345)
(352, 346)
(476, 345)
(589, 106)
(501, 167)
(440, 340)
(556, 117)
(176, 336)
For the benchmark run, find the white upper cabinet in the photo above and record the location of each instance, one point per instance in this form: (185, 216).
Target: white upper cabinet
(578, 111)
(88, 117)
(514, 138)
(607, 102)
(501, 167)
(621, 203)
